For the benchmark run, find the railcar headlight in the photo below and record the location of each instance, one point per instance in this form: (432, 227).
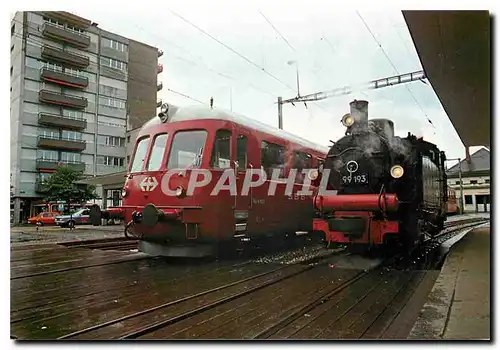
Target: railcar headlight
(124, 193)
(397, 171)
(313, 174)
(347, 120)
(179, 191)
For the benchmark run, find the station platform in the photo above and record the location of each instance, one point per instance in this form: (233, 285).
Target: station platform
(458, 306)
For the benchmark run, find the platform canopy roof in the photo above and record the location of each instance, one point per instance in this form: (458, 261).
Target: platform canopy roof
(454, 49)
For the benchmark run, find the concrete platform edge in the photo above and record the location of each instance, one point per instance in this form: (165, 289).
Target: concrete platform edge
(433, 317)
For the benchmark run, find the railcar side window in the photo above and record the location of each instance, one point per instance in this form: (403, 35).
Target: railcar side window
(241, 152)
(221, 153)
(158, 151)
(187, 149)
(140, 155)
(272, 157)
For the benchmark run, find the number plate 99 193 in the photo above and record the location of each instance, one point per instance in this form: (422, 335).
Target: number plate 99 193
(355, 179)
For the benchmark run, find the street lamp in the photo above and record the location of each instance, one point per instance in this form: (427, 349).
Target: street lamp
(461, 202)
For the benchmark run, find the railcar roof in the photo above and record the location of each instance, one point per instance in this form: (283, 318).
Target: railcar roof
(199, 112)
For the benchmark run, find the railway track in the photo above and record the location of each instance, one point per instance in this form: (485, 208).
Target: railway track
(312, 297)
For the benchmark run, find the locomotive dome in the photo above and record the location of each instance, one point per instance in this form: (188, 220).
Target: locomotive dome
(186, 113)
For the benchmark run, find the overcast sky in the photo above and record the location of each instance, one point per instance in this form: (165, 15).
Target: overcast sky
(333, 48)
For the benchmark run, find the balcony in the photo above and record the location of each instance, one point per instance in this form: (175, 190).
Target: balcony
(61, 143)
(67, 17)
(70, 58)
(160, 53)
(159, 86)
(63, 78)
(61, 121)
(62, 100)
(66, 35)
(51, 164)
(159, 69)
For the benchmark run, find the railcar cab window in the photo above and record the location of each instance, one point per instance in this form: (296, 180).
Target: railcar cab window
(158, 151)
(221, 153)
(187, 149)
(272, 157)
(140, 155)
(241, 152)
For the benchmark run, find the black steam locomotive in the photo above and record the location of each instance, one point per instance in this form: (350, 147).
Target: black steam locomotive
(388, 188)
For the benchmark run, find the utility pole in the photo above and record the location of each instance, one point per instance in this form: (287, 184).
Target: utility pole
(346, 90)
(461, 200)
(280, 113)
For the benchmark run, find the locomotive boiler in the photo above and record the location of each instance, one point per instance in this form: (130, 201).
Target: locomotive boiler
(390, 190)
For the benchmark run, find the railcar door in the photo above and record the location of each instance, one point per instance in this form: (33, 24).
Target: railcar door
(242, 203)
(223, 198)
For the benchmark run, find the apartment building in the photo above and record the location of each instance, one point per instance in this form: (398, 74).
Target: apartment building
(75, 89)
(476, 179)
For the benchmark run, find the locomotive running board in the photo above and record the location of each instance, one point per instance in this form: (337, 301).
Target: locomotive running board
(197, 251)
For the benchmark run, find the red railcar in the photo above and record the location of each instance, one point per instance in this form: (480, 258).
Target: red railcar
(181, 145)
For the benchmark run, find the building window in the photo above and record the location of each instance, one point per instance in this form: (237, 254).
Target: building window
(53, 22)
(473, 182)
(114, 141)
(457, 182)
(71, 157)
(108, 90)
(11, 70)
(75, 29)
(12, 48)
(272, 156)
(72, 114)
(221, 153)
(487, 181)
(128, 159)
(109, 62)
(71, 135)
(128, 139)
(468, 199)
(111, 102)
(110, 161)
(118, 46)
(12, 29)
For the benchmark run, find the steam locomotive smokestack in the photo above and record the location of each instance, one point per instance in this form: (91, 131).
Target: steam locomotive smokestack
(359, 111)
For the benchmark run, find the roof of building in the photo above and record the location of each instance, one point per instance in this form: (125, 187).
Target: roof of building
(479, 161)
(202, 112)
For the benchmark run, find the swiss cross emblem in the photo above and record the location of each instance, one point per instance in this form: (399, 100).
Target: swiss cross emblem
(148, 184)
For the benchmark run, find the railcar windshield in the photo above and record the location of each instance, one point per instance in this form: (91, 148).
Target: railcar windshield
(140, 155)
(187, 149)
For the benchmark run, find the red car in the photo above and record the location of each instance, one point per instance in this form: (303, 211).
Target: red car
(44, 218)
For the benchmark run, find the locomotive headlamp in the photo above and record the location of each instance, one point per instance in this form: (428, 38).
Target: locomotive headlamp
(124, 193)
(397, 171)
(347, 120)
(313, 174)
(179, 191)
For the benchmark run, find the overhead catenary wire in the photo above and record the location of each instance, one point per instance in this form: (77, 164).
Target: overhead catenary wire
(232, 50)
(394, 67)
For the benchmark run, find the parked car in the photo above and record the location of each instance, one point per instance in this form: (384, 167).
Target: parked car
(44, 218)
(79, 217)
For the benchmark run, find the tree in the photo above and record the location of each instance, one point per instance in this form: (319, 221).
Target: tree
(62, 186)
